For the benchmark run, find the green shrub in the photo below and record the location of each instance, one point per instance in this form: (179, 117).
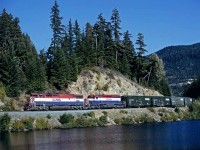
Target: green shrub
(70, 124)
(48, 116)
(81, 121)
(118, 121)
(105, 87)
(92, 122)
(177, 110)
(66, 118)
(151, 110)
(42, 123)
(127, 120)
(97, 87)
(90, 114)
(17, 126)
(2, 92)
(145, 118)
(9, 105)
(163, 110)
(194, 107)
(111, 75)
(105, 113)
(119, 82)
(169, 117)
(4, 122)
(98, 77)
(28, 123)
(102, 120)
(123, 111)
(84, 84)
(160, 114)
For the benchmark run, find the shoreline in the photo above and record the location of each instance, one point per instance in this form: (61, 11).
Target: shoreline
(93, 118)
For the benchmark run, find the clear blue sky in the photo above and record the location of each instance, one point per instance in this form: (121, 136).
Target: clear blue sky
(163, 22)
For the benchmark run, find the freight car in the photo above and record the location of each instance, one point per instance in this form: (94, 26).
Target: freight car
(155, 101)
(75, 101)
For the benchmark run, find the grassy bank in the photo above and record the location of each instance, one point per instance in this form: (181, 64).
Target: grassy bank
(101, 118)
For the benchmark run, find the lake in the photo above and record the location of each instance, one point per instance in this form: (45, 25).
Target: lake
(183, 135)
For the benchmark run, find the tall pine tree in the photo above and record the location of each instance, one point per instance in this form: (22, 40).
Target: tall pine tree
(56, 59)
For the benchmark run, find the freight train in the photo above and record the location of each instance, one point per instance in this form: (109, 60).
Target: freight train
(76, 101)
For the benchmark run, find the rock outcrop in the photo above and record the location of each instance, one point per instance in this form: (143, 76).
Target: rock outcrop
(105, 81)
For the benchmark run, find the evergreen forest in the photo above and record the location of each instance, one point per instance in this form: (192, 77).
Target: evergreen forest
(181, 64)
(25, 69)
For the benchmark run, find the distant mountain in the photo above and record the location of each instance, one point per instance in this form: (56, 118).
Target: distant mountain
(182, 65)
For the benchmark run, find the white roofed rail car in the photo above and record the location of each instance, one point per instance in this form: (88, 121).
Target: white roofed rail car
(105, 101)
(54, 101)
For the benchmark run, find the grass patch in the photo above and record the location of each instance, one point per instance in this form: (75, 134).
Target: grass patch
(151, 110)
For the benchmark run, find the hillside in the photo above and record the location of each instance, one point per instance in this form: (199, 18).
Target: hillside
(181, 64)
(106, 81)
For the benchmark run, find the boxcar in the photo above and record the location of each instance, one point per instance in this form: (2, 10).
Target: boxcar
(136, 101)
(177, 101)
(160, 101)
(187, 101)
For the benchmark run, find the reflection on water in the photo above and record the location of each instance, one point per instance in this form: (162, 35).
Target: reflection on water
(174, 135)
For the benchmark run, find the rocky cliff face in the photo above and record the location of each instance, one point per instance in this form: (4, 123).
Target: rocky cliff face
(106, 81)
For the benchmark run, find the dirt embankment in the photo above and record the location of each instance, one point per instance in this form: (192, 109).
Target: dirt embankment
(105, 81)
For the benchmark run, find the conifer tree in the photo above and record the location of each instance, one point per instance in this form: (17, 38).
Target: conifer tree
(129, 55)
(115, 21)
(99, 29)
(156, 76)
(90, 49)
(140, 62)
(109, 48)
(77, 47)
(56, 57)
(193, 89)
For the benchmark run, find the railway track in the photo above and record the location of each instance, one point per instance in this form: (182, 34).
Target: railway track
(21, 114)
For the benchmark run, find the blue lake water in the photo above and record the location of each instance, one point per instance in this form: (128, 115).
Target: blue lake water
(184, 135)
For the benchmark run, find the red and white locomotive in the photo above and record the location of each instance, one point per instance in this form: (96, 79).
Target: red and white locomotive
(71, 101)
(54, 101)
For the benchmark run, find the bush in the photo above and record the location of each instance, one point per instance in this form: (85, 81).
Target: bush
(28, 123)
(48, 116)
(105, 113)
(9, 106)
(151, 110)
(70, 124)
(89, 114)
(42, 123)
(127, 120)
(97, 87)
(66, 118)
(123, 111)
(119, 82)
(102, 120)
(81, 121)
(163, 110)
(118, 121)
(2, 92)
(169, 117)
(145, 118)
(105, 87)
(160, 114)
(177, 110)
(4, 122)
(17, 126)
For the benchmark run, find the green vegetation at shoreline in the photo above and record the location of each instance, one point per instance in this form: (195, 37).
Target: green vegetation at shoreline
(101, 118)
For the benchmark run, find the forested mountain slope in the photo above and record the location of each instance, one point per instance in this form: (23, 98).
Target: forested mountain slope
(182, 65)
